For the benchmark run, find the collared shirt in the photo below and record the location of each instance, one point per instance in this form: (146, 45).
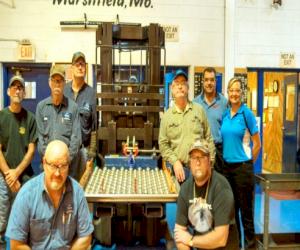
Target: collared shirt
(179, 130)
(236, 132)
(58, 123)
(35, 221)
(214, 112)
(87, 101)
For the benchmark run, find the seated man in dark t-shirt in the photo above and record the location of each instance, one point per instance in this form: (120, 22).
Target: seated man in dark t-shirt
(205, 206)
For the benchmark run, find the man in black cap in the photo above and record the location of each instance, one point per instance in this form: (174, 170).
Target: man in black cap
(18, 136)
(180, 126)
(57, 119)
(85, 97)
(205, 206)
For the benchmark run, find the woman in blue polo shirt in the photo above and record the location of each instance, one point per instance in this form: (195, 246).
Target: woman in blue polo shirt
(238, 129)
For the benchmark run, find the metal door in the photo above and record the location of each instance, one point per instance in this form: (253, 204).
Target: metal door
(33, 74)
(290, 122)
(36, 79)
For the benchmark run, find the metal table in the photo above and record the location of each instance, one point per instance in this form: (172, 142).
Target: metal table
(276, 182)
(131, 197)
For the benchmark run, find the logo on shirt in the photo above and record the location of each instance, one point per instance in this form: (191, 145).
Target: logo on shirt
(67, 116)
(200, 215)
(22, 130)
(87, 107)
(215, 106)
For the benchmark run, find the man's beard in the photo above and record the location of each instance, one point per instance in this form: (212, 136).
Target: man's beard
(56, 185)
(16, 99)
(199, 175)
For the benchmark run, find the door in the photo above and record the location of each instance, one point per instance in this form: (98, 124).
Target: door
(36, 79)
(290, 120)
(273, 120)
(36, 83)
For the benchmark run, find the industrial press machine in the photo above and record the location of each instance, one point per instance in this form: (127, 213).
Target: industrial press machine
(130, 189)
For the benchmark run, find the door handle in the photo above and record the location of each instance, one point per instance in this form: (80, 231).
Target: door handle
(283, 128)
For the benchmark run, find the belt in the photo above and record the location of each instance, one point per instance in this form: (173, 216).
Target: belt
(219, 146)
(236, 164)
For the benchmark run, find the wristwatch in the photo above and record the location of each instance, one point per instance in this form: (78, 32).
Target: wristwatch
(191, 243)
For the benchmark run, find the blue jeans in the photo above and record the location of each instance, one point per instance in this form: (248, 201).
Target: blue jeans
(5, 204)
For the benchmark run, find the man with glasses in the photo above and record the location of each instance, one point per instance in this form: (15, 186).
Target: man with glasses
(180, 126)
(57, 119)
(85, 97)
(50, 211)
(18, 136)
(214, 104)
(205, 206)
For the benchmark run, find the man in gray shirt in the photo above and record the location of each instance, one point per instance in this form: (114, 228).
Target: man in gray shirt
(57, 119)
(85, 97)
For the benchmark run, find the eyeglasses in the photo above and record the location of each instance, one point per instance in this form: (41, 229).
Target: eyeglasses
(54, 167)
(59, 81)
(15, 88)
(179, 83)
(79, 64)
(198, 158)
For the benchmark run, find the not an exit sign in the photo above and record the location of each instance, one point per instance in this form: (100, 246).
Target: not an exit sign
(287, 60)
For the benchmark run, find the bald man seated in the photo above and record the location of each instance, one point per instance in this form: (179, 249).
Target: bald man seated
(50, 211)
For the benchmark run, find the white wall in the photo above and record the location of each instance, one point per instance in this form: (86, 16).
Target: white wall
(200, 23)
(261, 32)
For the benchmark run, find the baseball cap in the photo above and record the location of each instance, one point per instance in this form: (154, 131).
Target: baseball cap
(180, 72)
(201, 145)
(57, 70)
(17, 78)
(77, 55)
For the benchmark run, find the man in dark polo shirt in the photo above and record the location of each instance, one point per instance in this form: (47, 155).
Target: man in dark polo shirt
(57, 119)
(18, 136)
(85, 97)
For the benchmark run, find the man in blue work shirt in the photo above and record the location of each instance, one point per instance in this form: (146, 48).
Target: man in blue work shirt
(57, 119)
(50, 211)
(214, 104)
(85, 97)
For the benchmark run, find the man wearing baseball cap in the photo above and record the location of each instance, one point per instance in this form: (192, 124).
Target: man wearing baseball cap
(58, 119)
(180, 126)
(205, 206)
(85, 97)
(18, 136)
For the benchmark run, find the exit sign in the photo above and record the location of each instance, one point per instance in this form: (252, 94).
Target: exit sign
(26, 51)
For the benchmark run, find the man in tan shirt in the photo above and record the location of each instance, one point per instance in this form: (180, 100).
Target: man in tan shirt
(180, 126)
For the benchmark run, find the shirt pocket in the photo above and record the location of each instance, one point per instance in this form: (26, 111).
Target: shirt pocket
(69, 228)
(197, 126)
(85, 113)
(66, 126)
(174, 130)
(46, 126)
(39, 230)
